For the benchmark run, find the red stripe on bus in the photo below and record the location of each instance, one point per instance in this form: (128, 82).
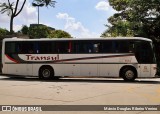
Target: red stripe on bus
(97, 57)
(10, 58)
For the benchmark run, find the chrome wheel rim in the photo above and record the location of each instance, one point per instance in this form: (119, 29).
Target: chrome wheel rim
(46, 73)
(129, 74)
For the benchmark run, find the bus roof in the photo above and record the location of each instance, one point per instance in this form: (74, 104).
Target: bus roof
(74, 39)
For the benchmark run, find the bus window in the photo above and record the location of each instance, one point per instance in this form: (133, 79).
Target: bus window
(120, 46)
(107, 47)
(25, 47)
(131, 47)
(86, 47)
(123, 47)
(46, 47)
(143, 52)
(82, 47)
(63, 47)
(10, 47)
(96, 47)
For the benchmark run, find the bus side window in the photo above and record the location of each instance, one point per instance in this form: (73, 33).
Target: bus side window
(96, 47)
(63, 47)
(46, 47)
(131, 47)
(123, 46)
(10, 47)
(107, 47)
(120, 46)
(115, 46)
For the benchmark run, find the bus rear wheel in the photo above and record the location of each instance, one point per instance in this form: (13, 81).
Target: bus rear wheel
(129, 74)
(46, 72)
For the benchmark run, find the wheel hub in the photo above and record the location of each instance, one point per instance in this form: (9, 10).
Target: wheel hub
(46, 73)
(129, 74)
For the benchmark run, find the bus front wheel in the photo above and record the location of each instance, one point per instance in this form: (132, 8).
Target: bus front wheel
(129, 74)
(46, 72)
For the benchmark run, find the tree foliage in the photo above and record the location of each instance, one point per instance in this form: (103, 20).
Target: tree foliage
(59, 34)
(12, 10)
(39, 31)
(3, 32)
(45, 2)
(141, 16)
(25, 29)
(42, 31)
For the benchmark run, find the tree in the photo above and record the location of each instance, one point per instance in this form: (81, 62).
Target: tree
(46, 2)
(38, 31)
(24, 29)
(12, 10)
(3, 32)
(120, 28)
(41, 3)
(143, 17)
(42, 31)
(59, 34)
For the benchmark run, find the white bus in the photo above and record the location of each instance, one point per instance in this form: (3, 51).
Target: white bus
(128, 58)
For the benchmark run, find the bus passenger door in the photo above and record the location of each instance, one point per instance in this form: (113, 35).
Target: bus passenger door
(144, 57)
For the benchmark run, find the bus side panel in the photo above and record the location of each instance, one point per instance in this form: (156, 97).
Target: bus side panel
(89, 69)
(58, 69)
(145, 70)
(29, 69)
(81, 64)
(17, 69)
(69, 70)
(5, 69)
(109, 67)
(153, 70)
(36, 68)
(109, 70)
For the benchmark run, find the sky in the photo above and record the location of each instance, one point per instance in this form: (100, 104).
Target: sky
(81, 18)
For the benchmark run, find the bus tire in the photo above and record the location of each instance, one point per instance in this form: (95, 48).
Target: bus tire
(129, 74)
(46, 72)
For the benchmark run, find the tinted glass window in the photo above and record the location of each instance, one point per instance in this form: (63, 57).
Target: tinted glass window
(19, 47)
(115, 46)
(144, 52)
(107, 47)
(25, 47)
(86, 47)
(10, 47)
(120, 46)
(63, 47)
(44, 47)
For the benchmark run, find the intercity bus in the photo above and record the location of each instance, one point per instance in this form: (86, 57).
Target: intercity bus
(128, 58)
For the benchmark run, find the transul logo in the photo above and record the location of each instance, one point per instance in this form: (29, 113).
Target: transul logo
(42, 58)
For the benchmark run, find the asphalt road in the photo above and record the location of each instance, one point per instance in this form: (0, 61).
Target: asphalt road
(80, 91)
